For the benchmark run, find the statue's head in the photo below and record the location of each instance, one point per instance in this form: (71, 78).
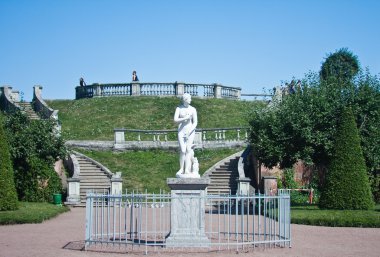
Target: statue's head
(186, 98)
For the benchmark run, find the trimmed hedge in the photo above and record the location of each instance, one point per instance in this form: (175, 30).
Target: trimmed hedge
(347, 186)
(8, 195)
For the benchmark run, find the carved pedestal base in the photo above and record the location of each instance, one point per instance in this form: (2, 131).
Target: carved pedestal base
(187, 212)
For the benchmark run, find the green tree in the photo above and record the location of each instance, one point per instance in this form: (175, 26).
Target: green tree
(342, 65)
(347, 185)
(303, 125)
(8, 195)
(34, 149)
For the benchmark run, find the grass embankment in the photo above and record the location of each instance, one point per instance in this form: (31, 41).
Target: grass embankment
(148, 170)
(31, 213)
(312, 215)
(95, 118)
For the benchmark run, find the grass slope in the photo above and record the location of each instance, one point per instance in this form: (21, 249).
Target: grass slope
(149, 169)
(95, 118)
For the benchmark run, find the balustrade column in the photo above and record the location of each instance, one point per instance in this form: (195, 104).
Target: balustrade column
(136, 89)
(119, 138)
(238, 93)
(180, 88)
(98, 90)
(217, 91)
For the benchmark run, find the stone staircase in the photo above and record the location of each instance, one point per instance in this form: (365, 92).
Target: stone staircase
(223, 177)
(28, 109)
(92, 178)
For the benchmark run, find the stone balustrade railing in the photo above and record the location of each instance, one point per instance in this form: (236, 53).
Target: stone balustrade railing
(204, 138)
(157, 89)
(41, 107)
(9, 99)
(243, 181)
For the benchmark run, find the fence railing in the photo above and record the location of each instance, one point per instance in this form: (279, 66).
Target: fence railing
(141, 222)
(157, 89)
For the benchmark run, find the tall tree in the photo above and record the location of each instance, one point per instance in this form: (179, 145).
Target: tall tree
(347, 185)
(342, 65)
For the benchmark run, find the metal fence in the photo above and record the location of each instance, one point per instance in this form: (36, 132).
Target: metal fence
(141, 222)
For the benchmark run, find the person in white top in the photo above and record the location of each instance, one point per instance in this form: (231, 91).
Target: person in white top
(186, 117)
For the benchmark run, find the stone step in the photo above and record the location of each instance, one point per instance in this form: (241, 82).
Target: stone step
(102, 182)
(86, 187)
(28, 109)
(91, 169)
(216, 174)
(94, 177)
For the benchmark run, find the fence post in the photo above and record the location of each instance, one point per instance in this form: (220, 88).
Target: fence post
(89, 206)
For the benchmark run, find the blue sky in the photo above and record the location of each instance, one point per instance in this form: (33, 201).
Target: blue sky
(248, 44)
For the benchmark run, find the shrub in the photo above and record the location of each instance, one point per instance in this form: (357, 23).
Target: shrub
(288, 179)
(346, 185)
(8, 196)
(34, 148)
(38, 181)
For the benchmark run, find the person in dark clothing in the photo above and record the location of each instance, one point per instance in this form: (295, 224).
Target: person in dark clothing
(134, 76)
(81, 82)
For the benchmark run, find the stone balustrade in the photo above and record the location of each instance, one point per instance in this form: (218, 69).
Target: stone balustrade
(9, 99)
(157, 89)
(204, 138)
(41, 107)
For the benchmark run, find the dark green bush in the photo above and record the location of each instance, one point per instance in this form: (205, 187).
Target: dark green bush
(37, 182)
(8, 196)
(347, 185)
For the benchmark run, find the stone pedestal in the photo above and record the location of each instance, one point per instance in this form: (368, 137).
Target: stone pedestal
(73, 191)
(269, 185)
(188, 212)
(116, 184)
(243, 186)
(119, 141)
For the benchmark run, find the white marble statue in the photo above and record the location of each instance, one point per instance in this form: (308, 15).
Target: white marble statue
(186, 117)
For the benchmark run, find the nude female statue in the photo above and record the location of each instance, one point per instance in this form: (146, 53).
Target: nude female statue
(186, 117)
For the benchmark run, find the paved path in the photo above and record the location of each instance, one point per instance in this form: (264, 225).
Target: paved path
(64, 235)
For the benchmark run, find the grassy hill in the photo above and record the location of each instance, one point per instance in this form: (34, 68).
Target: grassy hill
(95, 118)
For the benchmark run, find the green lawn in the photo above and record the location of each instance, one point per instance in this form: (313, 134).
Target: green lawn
(31, 213)
(149, 169)
(312, 215)
(95, 118)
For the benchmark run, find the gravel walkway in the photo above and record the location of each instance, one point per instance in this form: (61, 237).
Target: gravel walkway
(64, 235)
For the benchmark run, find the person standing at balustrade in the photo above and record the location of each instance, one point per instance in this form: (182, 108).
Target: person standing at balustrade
(81, 82)
(134, 76)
